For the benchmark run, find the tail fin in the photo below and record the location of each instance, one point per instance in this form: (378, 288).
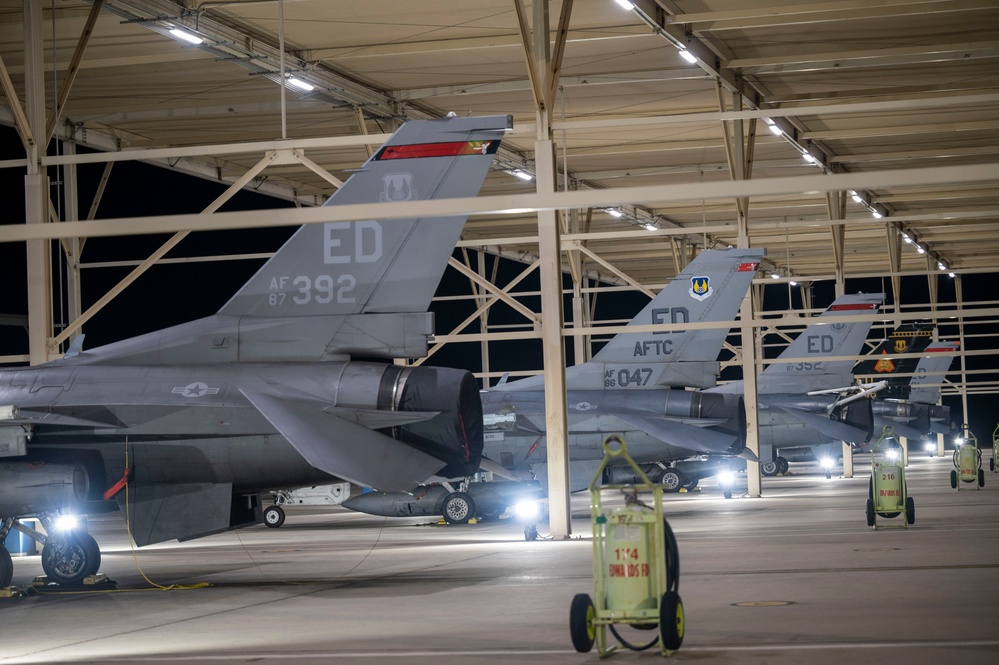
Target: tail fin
(820, 340)
(346, 288)
(710, 289)
(375, 266)
(881, 364)
(925, 386)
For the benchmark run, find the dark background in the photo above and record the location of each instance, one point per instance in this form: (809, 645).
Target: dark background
(170, 294)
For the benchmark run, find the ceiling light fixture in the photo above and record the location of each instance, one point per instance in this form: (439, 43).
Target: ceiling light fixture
(856, 197)
(688, 56)
(920, 248)
(650, 227)
(523, 175)
(300, 84)
(625, 4)
(185, 36)
(614, 212)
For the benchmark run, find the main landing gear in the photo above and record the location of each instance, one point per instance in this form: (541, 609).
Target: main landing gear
(69, 555)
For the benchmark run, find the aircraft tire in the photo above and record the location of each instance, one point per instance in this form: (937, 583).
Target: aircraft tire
(581, 628)
(691, 485)
(910, 510)
(458, 508)
(672, 480)
(769, 469)
(870, 513)
(6, 568)
(782, 466)
(274, 516)
(671, 620)
(67, 560)
(953, 479)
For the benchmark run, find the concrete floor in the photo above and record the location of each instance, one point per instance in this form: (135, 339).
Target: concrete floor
(358, 589)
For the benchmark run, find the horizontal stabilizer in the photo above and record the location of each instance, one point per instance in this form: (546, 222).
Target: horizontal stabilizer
(380, 418)
(497, 469)
(700, 439)
(901, 429)
(834, 429)
(343, 448)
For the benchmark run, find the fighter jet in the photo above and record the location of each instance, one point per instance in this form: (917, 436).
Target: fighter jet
(183, 429)
(911, 411)
(634, 385)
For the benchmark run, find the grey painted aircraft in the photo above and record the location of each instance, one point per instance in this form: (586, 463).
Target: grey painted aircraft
(633, 385)
(906, 404)
(810, 402)
(189, 425)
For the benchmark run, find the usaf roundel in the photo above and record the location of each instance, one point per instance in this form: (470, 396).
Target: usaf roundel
(700, 288)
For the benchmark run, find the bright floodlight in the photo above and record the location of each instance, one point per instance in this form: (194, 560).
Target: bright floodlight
(65, 523)
(526, 509)
(826, 463)
(726, 478)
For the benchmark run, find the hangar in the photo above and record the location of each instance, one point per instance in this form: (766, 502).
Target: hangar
(856, 142)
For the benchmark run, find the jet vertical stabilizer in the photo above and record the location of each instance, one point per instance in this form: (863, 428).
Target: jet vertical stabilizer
(822, 339)
(710, 289)
(926, 383)
(347, 288)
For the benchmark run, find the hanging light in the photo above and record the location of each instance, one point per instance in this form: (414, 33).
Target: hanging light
(688, 56)
(300, 84)
(523, 175)
(650, 227)
(856, 197)
(614, 212)
(185, 36)
(920, 248)
(625, 4)
(907, 238)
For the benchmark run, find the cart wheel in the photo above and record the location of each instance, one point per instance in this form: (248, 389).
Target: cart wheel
(458, 508)
(992, 465)
(671, 620)
(581, 616)
(274, 516)
(530, 533)
(910, 510)
(953, 479)
(727, 494)
(870, 513)
(981, 477)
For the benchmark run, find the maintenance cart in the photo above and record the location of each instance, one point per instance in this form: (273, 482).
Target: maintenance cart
(888, 495)
(968, 461)
(636, 566)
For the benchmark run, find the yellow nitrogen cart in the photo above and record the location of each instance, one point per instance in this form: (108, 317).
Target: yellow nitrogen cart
(636, 566)
(967, 462)
(888, 494)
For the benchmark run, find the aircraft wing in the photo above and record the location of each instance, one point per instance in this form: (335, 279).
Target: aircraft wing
(344, 448)
(700, 440)
(834, 429)
(76, 416)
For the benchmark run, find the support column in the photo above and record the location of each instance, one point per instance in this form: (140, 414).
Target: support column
(36, 190)
(959, 296)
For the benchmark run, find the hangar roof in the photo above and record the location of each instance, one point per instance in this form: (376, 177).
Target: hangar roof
(895, 101)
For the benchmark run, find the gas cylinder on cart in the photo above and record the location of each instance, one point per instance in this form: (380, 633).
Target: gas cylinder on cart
(628, 551)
